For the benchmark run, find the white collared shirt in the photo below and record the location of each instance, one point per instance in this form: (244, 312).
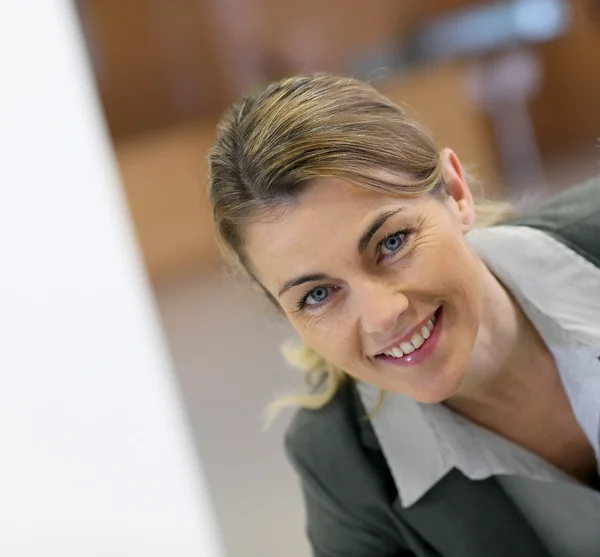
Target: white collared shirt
(559, 291)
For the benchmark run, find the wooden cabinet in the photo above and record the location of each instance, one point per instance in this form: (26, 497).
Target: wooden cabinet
(566, 111)
(165, 175)
(155, 62)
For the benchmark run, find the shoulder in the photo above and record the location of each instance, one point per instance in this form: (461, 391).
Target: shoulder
(347, 486)
(573, 217)
(336, 453)
(316, 437)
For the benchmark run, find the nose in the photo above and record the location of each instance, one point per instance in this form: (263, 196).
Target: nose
(380, 307)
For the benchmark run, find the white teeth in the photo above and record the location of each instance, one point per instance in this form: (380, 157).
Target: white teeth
(417, 340)
(407, 347)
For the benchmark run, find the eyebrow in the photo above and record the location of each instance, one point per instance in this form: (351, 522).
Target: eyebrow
(301, 280)
(363, 242)
(376, 224)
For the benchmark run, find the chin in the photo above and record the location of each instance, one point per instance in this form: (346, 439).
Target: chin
(440, 387)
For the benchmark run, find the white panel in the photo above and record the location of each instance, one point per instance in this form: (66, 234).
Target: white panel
(95, 456)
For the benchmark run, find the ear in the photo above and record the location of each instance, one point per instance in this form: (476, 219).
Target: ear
(458, 189)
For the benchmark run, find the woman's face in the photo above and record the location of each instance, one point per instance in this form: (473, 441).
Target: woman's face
(385, 288)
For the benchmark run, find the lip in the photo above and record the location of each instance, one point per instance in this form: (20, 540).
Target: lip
(424, 351)
(406, 338)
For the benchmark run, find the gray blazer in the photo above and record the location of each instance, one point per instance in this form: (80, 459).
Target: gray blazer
(351, 500)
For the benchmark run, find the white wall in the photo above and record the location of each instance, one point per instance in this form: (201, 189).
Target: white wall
(95, 455)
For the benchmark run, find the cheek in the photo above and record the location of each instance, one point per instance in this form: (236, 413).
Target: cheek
(463, 285)
(445, 266)
(450, 273)
(467, 278)
(332, 337)
(461, 277)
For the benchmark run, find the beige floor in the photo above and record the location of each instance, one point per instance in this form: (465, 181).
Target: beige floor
(224, 340)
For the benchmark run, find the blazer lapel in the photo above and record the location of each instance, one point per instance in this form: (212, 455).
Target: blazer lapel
(459, 517)
(465, 518)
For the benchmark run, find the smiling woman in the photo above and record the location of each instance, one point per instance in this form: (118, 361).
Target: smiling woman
(344, 212)
(321, 129)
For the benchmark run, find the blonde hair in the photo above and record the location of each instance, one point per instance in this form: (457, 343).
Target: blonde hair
(270, 146)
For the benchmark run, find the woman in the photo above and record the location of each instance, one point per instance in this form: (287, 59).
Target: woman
(485, 341)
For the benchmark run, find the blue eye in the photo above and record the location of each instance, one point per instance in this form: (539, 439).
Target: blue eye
(317, 296)
(392, 243)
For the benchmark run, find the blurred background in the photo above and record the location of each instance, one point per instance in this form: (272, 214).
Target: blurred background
(513, 87)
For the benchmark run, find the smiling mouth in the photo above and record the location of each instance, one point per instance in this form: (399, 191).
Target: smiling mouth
(418, 339)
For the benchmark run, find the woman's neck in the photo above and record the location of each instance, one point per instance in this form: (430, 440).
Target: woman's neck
(513, 388)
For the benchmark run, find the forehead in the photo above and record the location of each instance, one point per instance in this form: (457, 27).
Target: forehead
(328, 216)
